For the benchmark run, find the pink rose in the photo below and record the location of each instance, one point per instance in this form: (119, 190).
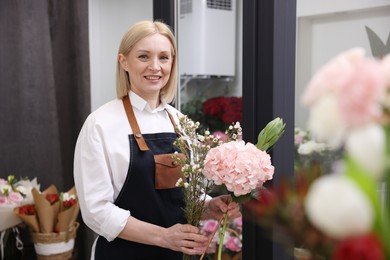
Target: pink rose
(15, 197)
(222, 136)
(210, 225)
(238, 222)
(240, 167)
(233, 244)
(3, 200)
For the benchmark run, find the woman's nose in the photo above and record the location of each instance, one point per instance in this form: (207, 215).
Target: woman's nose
(154, 64)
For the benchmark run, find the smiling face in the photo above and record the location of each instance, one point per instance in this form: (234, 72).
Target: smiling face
(149, 65)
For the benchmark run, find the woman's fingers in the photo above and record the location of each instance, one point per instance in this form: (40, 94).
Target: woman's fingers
(185, 238)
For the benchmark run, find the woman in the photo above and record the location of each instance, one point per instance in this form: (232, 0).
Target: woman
(114, 166)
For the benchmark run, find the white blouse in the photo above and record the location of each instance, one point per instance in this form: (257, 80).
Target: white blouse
(101, 160)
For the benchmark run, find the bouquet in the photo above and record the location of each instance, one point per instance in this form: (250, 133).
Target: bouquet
(51, 218)
(13, 193)
(242, 167)
(238, 166)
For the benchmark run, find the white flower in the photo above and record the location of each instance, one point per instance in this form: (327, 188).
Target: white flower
(311, 147)
(179, 182)
(336, 206)
(366, 145)
(325, 121)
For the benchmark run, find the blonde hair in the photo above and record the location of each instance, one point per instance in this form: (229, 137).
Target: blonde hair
(136, 33)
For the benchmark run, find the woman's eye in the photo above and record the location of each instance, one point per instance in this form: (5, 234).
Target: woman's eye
(143, 57)
(164, 58)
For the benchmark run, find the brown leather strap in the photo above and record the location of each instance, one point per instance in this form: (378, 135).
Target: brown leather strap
(133, 124)
(173, 122)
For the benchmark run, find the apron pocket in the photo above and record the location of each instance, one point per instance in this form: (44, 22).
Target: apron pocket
(168, 171)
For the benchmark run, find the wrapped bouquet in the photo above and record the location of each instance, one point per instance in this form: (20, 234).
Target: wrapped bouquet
(51, 219)
(13, 193)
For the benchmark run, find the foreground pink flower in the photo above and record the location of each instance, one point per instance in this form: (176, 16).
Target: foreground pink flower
(333, 75)
(240, 167)
(346, 93)
(360, 96)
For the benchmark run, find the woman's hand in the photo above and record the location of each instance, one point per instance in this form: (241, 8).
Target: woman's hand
(216, 207)
(184, 238)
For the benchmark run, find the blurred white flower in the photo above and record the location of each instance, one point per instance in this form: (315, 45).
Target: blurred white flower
(25, 186)
(326, 123)
(336, 206)
(366, 145)
(311, 147)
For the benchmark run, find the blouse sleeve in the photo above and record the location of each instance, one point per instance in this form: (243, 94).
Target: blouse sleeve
(93, 181)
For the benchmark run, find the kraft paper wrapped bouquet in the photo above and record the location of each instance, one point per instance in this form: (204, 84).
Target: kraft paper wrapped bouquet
(52, 222)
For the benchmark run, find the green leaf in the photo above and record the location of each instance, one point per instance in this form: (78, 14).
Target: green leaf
(369, 186)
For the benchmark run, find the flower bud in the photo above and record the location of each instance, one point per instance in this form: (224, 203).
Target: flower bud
(270, 134)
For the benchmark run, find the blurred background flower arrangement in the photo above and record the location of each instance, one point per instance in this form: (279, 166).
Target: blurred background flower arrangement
(14, 192)
(215, 113)
(339, 212)
(309, 151)
(46, 219)
(232, 244)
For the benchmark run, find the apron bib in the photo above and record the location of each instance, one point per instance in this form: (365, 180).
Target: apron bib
(162, 207)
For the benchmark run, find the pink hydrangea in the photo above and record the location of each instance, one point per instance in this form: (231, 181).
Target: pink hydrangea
(240, 167)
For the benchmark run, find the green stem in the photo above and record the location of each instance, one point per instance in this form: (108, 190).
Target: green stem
(222, 235)
(386, 210)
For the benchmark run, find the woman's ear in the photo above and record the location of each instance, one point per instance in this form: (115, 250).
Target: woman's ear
(122, 60)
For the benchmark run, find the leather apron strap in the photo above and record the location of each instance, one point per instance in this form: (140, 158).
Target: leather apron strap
(134, 124)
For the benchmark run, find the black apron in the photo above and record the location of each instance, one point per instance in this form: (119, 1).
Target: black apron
(162, 207)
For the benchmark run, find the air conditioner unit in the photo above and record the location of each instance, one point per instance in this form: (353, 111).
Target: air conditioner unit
(207, 38)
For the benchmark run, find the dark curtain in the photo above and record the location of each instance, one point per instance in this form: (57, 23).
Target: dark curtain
(44, 88)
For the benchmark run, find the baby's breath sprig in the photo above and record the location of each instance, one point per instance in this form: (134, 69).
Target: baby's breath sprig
(234, 132)
(194, 147)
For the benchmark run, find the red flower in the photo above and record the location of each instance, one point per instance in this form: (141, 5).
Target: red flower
(366, 247)
(68, 203)
(28, 209)
(52, 198)
(232, 110)
(214, 106)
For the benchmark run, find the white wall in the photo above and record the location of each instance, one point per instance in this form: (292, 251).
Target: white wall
(108, 21)
(328, 27)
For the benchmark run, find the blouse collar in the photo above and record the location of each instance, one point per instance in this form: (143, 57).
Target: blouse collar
(141, 104)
